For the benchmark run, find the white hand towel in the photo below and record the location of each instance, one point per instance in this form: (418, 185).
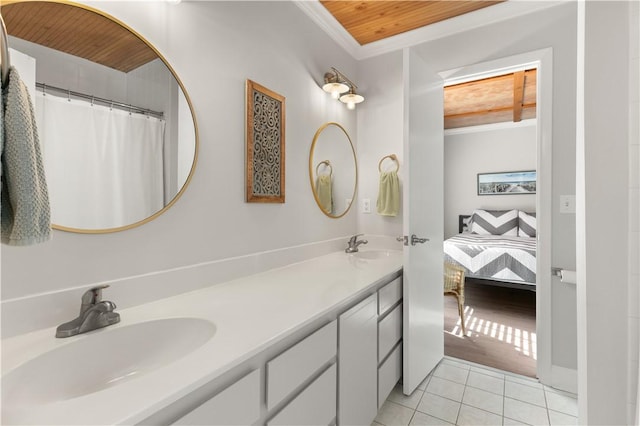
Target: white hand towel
(25, 212)
(325, 193)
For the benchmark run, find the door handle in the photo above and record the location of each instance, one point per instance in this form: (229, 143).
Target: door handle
(403, 239)
(415, 240)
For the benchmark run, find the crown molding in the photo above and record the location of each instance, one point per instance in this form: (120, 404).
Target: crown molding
(479, 18)
(325, 20)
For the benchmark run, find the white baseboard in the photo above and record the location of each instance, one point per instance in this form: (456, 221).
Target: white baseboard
(565, 379)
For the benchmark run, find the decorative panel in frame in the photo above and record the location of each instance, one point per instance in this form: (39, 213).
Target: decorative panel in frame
(265, 145)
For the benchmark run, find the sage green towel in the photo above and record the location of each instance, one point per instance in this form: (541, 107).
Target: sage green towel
(388, 194)
(325, 193)
(25, 212)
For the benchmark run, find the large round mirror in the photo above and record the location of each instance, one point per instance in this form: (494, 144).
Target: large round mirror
(117, 130)
(333, 171)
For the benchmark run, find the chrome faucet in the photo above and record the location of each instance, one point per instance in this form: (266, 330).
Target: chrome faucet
(354, 243)
(94, 313)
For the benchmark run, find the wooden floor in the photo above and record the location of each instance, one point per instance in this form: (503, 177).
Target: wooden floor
(501, 327)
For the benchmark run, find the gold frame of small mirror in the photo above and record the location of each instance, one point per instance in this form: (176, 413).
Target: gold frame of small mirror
(180, 84)
(311, 169)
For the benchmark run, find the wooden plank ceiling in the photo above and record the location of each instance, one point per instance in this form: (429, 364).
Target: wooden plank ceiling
(78, 32)
(509, 97)
(372, 20)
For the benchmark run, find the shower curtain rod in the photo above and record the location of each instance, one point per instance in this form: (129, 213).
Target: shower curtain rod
(120, 105)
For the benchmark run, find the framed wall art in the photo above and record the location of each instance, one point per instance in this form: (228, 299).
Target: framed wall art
(265, 145)
(507, 183)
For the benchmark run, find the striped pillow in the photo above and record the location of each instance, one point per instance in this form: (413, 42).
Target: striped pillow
(494, 222)
(526, 224)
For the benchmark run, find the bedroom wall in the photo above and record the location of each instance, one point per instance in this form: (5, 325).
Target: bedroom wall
(485, 149)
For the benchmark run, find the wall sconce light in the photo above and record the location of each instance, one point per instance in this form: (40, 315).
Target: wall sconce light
(336, 83)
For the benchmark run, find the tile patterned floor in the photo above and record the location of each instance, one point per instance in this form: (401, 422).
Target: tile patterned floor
(461, 393)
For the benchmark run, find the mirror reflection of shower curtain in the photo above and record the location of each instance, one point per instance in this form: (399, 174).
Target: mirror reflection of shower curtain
(104, 167)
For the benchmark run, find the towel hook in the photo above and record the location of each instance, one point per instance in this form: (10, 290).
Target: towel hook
(391, 157)
(327, 163)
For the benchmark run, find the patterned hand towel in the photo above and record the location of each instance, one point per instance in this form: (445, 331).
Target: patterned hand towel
(388, 203)
(25, 199)
(325, 193)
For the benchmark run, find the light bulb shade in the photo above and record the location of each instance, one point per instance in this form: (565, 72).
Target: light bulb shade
(333, 84)
(335, 87)
(351, 98)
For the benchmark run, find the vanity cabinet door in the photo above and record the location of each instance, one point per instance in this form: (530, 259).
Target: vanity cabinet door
(358, 363)
(239, 404)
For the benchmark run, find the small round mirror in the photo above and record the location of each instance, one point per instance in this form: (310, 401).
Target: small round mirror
(117, 130)
(333, 170)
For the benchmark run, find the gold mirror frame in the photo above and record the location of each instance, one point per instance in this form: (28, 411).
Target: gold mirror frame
(186, 95)
(312, 168)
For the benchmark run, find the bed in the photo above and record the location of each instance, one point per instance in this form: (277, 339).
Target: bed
(496, 245)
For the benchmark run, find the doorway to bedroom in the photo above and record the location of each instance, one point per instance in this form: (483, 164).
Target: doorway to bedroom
(490, 208)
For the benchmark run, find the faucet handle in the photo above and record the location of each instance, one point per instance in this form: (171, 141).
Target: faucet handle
(355, 237)
(93, 295)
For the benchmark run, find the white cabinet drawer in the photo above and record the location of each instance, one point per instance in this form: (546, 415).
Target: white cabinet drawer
(316, 405)
(291, 368)
(239, 404)
(388, 374)
(389, 295)
(389, 332)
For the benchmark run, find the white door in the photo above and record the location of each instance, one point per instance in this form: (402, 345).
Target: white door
(423, 344)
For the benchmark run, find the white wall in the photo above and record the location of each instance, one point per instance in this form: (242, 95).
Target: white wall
(485, 149)
(74, 73)
(634, 209)
(380, 132)
(214, 47)
(603, 211)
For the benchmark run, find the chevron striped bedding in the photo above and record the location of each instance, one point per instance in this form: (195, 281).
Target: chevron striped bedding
(494, 257)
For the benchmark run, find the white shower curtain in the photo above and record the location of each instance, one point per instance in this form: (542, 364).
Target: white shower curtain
(104, 167)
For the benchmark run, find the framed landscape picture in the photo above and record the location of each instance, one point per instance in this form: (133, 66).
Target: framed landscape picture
(507, 183)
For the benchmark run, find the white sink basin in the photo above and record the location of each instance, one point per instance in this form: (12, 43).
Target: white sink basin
(104, 358)
(373, 254)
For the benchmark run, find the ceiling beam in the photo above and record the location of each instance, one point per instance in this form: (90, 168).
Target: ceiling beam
(489, 111)
(518, 95)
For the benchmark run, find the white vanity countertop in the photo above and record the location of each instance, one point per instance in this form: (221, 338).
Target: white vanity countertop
(249, 314)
